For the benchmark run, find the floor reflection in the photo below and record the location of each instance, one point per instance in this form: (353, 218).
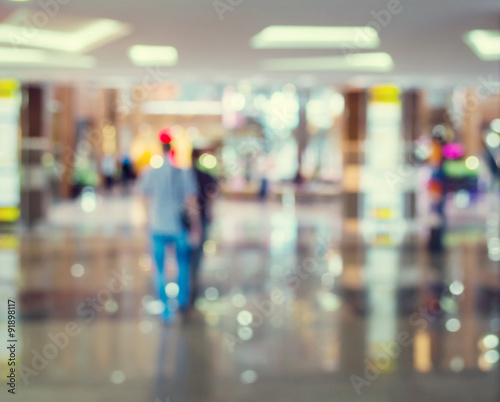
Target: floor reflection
(289, 311)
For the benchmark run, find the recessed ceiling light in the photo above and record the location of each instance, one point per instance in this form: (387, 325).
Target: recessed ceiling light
(43, 58)
(314, 37)
(352, 62)
(142, 55)
(89, 34)
(486, 44)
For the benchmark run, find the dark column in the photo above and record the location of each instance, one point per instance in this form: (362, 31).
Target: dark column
(34, 183)
(354, 133)
(66, 128)
(413, 124)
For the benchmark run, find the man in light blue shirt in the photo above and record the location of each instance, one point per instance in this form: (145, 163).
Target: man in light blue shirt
(171, 201)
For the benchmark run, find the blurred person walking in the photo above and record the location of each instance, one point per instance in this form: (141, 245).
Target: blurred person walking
(437, 188)
(109, 170)
(207, 190)
(169, 193)
(127, 173)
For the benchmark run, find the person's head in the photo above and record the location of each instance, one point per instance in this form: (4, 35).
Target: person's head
(166, 147)
(195, 154)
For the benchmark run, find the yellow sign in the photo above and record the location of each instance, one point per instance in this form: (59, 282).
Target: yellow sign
(9, 214)
(8, 88)
(385, 94)
(383, 213)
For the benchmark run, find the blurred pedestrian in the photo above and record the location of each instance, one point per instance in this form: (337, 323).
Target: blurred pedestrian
(109, 169)
(168, 193)
(437, 188)
(207, 190)
(127, 174)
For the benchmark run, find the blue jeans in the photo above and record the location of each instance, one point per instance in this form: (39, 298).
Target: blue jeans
(159, 243)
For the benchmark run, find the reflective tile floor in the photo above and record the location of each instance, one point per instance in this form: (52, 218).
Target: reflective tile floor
(290, 311)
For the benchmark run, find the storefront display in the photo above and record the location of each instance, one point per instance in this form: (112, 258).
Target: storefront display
(10, 99)
(382, 206)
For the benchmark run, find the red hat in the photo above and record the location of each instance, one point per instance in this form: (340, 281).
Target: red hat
(165, 136)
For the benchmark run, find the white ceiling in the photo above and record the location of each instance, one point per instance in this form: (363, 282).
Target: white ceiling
(424, 40)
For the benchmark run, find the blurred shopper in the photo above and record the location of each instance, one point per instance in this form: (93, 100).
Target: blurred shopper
(437, 192)
(263, 188)
(169, 193)
(493, 168)
(109, 169)
(207, 189)
(127, 174)
(263, 167)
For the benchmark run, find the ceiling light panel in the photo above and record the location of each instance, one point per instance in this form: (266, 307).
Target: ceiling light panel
(315, 37)
(486, 44)
(144, 56)
(42, 58)
(85, 35)
(376, 62)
